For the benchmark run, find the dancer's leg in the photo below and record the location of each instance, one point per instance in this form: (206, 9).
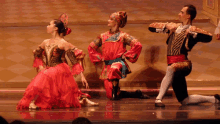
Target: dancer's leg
(115, 89)
(165, 84)
(196, 99)
(180, 87)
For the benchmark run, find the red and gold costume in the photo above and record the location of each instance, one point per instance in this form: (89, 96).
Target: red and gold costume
(113, 47)
(54, 86)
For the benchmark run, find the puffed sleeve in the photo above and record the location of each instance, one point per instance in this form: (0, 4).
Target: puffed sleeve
(136, 47)
(38, 59)
(75, 59)
(94, 55)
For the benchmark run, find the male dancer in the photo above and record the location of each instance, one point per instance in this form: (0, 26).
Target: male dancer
(181, 39)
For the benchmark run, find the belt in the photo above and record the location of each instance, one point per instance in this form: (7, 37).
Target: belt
(175, 59)
(124, 67)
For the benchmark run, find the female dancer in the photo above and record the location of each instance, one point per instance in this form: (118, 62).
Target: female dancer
(54, 85)
(114, 52)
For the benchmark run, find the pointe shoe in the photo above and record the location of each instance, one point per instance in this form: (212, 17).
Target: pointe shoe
(90, 103)
(217, 97)
(33, 106)
(159, 104)
(87, 102)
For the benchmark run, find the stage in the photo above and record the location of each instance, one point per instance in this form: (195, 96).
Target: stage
(128, 110)
(23, 28)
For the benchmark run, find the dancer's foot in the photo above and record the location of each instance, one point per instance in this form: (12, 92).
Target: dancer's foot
(91, 103)
(217, 98)
(32, 105)
(87, 102)
(115, 91)
(158, 103)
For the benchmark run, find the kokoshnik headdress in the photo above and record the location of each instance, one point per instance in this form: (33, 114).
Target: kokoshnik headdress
(120, 17)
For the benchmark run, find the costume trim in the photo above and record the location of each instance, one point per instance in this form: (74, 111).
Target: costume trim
(124, 67)
(175, 59)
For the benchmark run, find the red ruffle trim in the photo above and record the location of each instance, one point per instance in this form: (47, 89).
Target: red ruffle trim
(55, 88)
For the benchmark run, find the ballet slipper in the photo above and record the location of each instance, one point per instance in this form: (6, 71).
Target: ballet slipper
(32, 105)
(158, 103)
(87, 102)
(91, 103)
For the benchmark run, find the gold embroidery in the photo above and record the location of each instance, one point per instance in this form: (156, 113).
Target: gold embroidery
(198, 30)
(183, 67)
(157, 25)
(186, 44)
(133, 42)
(38, 52)
(71, 56)
(53, 54)
(49, 49)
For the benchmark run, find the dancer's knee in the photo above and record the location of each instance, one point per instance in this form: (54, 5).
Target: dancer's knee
(170, 69)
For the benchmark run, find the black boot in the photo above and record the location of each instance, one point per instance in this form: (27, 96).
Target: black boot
(140, 95)
(114, 93)
(136, 94)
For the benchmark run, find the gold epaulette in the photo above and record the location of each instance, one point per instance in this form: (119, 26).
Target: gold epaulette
(198, 30)
(157, 25)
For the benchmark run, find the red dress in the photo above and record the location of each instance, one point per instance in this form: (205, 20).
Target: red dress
(113, 47)
(55, 86)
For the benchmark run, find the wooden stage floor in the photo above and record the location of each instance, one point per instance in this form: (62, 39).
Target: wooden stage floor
(123, 111)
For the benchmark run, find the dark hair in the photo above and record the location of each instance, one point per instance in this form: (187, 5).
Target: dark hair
(81, 120)
(191, 10)
(61, 28)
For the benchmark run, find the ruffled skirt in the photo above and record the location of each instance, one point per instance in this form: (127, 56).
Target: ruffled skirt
(53, 87)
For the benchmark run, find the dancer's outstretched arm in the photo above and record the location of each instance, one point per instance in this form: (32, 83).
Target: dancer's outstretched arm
(160, 27)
